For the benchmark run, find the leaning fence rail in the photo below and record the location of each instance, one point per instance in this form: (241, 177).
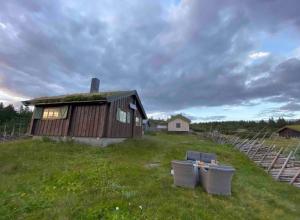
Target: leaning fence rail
(283, 167)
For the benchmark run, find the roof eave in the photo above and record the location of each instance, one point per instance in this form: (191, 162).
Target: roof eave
(130, 93)
(32, 103)
(140, 104)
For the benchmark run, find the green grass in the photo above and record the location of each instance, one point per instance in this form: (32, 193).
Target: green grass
(48, 180)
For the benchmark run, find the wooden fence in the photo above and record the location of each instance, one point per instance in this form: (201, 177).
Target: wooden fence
(281, 165)
(12, 131)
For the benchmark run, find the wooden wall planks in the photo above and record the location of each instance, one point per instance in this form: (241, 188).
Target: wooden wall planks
(117, 129)
(87, 121)
(92, 120)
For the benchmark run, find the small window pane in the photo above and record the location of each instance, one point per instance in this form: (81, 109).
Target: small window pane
(128, 118)
(50, 114)
(178, 125)
(121, 115)
(123, 119)
(45, 114)
(118, 114)
(138, 121)
(55, 113)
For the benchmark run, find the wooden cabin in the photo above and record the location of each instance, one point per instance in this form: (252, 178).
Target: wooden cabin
(290, 131)
(116, 114)
(179, 123)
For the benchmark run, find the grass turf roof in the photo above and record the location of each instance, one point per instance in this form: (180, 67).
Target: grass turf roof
(179, 116)
(79, 97)
(294, 127)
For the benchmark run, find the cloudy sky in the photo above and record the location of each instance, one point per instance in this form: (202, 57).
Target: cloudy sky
(211, 60)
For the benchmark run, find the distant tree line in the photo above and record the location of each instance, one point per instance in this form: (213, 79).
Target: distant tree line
(243, 128)
(12, 120)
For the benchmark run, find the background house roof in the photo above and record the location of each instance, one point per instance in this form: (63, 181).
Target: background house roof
(179, 116)
(85, 97)
(292, 127)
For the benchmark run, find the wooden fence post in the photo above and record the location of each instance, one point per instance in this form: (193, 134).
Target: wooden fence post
(274, 160)
(4, 133)
(284, 164)
(266, 154)
(236, 140)
(251, 146)
(295, 177)
(13, 131)
(257, 149)
(242, 144)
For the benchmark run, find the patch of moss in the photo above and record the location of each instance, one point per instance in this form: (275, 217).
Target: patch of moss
(294, 127)
(179, 116)
(73, 98)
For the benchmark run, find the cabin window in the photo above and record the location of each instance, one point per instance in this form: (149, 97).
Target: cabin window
(55, 113)
(178, 125)
(121, 115)
(128, 117)
(138, 121)
(38, 113)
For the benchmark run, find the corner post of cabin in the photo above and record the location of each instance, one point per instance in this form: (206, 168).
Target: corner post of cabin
(107, 121)
(30, 128)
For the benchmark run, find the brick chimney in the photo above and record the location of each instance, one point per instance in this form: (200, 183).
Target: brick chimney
(95, 83)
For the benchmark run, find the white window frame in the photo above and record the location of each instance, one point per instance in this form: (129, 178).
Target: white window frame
(121, 115)
(138, 121)
(128, 117)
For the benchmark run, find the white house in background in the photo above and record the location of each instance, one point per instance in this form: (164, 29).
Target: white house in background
(179, 123)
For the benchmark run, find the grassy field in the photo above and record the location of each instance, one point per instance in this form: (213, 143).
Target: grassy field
(48, 180)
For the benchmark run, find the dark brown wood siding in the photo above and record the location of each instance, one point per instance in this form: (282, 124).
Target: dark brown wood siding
(92, 120)
(88, 120)
(289, 133)
(117, 129)
(81, 121)
(50, 127)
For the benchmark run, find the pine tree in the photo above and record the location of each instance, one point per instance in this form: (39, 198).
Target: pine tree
(21, 109)
(281, 122)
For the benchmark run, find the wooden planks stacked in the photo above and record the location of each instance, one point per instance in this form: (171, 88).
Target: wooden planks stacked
(280, 166)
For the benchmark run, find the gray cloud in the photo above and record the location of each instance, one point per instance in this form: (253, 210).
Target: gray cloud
(275, 113)
(291, 106)
(193, 54)
(211, 118)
